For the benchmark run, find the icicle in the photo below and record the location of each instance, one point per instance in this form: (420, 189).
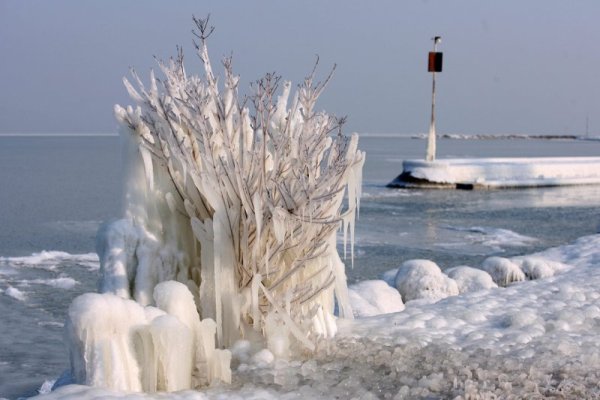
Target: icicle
(173, 345)
(290, 324)
(132, 92)
(171, 202)
(258, 215)
(256, 322)
(279, 216)
(247, 131)
(147, 158)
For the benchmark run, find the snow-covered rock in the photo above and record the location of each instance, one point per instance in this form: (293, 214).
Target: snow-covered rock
(539, 268)
(423, 279)
(503, 271)
(374, 297)
(471, 279)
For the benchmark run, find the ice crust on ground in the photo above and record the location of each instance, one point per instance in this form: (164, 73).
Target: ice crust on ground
(423, 279)
(374, 297)
(534, 339)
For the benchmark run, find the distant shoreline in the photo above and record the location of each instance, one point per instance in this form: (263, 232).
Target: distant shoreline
(459, 136)
(450, 136)
(59, 135)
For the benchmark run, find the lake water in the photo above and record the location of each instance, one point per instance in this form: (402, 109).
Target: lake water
(54, 192)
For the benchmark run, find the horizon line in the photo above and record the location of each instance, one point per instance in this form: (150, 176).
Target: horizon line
(40, 134)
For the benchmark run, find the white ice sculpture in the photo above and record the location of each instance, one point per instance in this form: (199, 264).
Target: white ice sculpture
(118, 343)
(240, 206)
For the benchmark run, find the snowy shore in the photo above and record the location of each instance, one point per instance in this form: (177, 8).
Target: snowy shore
(470, 173)
(531, 339)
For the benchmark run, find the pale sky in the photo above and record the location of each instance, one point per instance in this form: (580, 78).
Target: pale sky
(510, 66)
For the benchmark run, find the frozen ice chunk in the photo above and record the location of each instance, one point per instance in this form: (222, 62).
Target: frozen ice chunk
(503, 271)
(374, 297)
(471, 279)
(423, 279)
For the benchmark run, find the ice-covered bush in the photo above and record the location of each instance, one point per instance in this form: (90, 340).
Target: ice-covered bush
(241, 204)
(423, 279)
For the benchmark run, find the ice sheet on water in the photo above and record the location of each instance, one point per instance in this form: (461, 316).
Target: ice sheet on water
(59, 283)
(49, 259)
(381, 192)
(493, 237)
(15, 293)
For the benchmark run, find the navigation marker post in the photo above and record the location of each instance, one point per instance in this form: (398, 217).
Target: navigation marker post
(434, 65)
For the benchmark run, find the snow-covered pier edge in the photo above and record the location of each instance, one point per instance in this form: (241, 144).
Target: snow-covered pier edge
(498, 173)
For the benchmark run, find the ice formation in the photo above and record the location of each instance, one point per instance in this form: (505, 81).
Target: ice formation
(503, 271)
(470, 279)
(119, 344)
(241, 208)
(423, 279)
(374, 297)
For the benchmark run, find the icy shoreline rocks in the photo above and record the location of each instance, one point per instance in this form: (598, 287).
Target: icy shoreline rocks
(532, 339)
(422, 281)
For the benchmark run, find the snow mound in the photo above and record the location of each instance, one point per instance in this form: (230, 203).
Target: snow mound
(471, 279)
(423, 279)
(503, 271)
(540, 268)
(374, 297)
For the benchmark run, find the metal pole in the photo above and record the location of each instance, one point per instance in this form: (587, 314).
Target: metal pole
(431, 150)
